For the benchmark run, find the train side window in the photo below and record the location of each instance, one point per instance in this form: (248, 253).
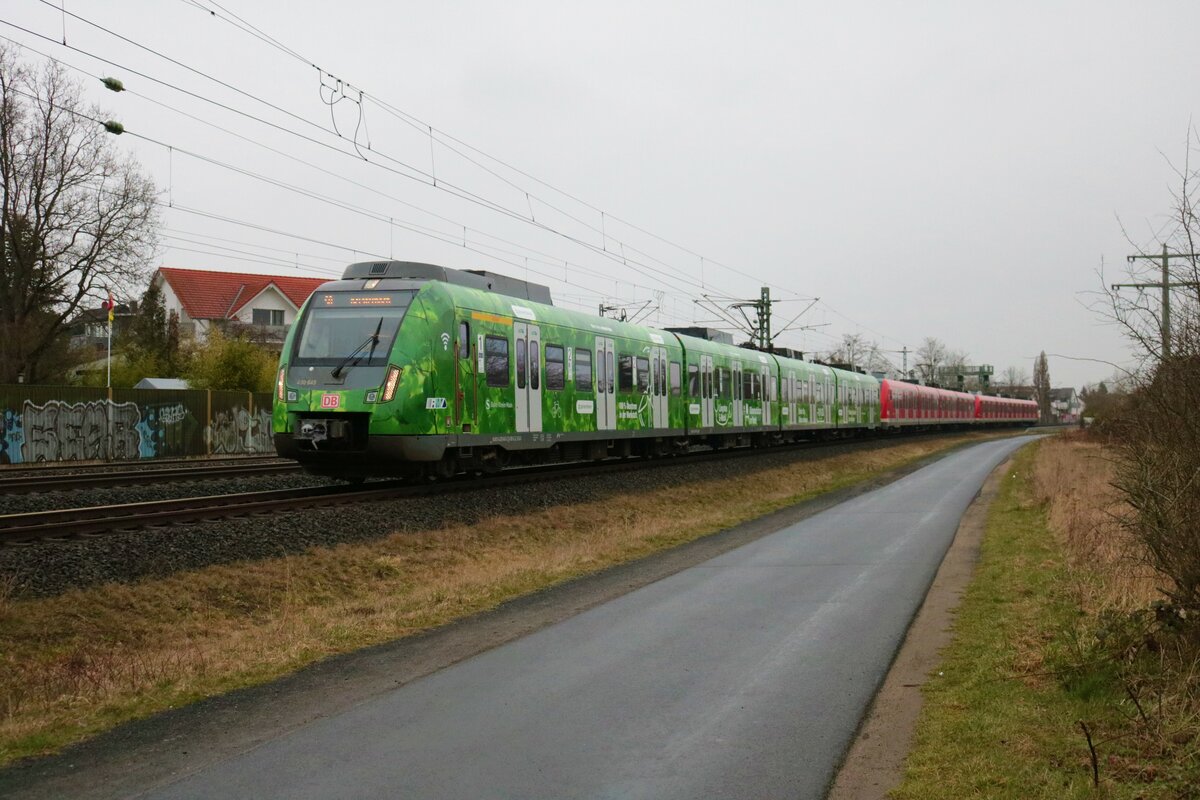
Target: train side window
(643, 375)
(625, 373)
(497, 360)
(676, 377)
(522, 355)
(662, 376)
(608, 379)
(556, 367)
(693, 380)
(583, 370)
(464, 340)
(535, 366)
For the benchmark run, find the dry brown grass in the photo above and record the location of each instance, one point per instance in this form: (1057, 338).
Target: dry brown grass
(79, 663)
(1073, 476)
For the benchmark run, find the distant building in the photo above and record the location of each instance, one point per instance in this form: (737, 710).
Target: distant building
(264, 306)
(1066, 406)
(89, 328)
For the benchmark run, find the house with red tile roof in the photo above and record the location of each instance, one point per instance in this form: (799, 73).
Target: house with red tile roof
(203, 299)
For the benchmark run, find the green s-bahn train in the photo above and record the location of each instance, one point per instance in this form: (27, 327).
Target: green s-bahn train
(404, 367)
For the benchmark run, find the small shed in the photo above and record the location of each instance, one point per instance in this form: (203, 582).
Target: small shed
(161, 383)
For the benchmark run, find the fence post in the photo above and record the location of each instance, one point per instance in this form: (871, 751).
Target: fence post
(108, 452)
(208, 425)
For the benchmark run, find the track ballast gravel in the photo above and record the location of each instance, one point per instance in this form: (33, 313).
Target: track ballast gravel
(149, 492)
(52, 567)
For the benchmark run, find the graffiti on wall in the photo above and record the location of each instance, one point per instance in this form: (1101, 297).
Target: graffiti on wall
(236, 430)
(58, 430)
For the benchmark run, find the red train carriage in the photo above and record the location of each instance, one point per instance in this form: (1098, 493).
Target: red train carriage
(907, 405)
(1005, 411)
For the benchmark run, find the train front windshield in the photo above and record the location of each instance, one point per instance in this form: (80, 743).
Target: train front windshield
(338, 323)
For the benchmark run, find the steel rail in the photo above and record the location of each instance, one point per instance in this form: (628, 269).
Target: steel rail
(27, 483)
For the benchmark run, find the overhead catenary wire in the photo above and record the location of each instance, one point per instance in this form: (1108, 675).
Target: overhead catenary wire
(599, 250)
(441, 136)
(486, 204)
(374, 215)
(422, 176)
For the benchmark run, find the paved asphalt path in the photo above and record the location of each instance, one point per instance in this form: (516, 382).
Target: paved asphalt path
(745, 676)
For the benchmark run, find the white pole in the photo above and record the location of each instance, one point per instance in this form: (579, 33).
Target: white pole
(111, 313)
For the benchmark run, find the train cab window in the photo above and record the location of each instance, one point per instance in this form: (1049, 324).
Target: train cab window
(676, 377)
(625, 373)
(556, 367)
(497, 360)
(522, 355)
(583, 370)
(693, 380)
(464, 340)
(643, 375)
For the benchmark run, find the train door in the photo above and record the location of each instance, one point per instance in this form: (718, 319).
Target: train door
(739, 393)
(768, 393)
(528, 365)
(790, 399)
(658, 384)
(465, 389)
(606, 397)
(706, 391)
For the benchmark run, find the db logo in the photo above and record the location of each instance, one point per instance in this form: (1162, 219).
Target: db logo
(330, 400)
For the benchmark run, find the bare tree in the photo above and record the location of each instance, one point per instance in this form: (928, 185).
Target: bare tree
(931, 356)
(1013, 379)
(77, 219)
(1041, 385)
(852, 350)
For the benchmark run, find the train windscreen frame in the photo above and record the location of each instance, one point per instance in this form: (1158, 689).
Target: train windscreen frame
(336, 323)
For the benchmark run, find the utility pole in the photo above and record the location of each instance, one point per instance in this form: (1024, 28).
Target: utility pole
(760, 327)
(1166, 287)
(764, 319)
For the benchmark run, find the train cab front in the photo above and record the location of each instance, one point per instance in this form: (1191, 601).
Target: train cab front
(341, 385)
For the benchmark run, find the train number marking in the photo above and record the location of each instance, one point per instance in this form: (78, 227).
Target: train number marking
(331, 400)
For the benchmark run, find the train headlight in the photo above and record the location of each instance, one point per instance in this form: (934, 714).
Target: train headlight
(389, 385)
(279, 384)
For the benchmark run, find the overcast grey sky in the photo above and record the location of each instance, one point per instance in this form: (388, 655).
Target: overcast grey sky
(947, 169)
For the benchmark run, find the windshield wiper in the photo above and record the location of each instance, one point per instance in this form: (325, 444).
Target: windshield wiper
(372, 340)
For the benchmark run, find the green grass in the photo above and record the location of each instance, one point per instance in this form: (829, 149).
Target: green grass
(1001, 716)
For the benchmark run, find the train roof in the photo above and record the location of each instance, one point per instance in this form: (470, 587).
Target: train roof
(472, 278)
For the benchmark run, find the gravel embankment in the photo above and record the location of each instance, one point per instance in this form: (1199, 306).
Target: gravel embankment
(109, 495)
(46, 568)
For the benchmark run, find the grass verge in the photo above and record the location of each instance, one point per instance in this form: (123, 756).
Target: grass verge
(77, 664)
(1045, 669)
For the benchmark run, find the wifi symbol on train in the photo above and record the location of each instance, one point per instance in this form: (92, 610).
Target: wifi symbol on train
(445, 341)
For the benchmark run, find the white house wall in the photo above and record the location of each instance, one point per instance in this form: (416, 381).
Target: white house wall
(269, 299)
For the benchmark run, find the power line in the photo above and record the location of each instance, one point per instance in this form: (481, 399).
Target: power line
(422, 127)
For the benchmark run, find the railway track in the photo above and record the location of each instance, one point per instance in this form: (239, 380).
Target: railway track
(53, 479)
(25, 528)
(16, 529)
